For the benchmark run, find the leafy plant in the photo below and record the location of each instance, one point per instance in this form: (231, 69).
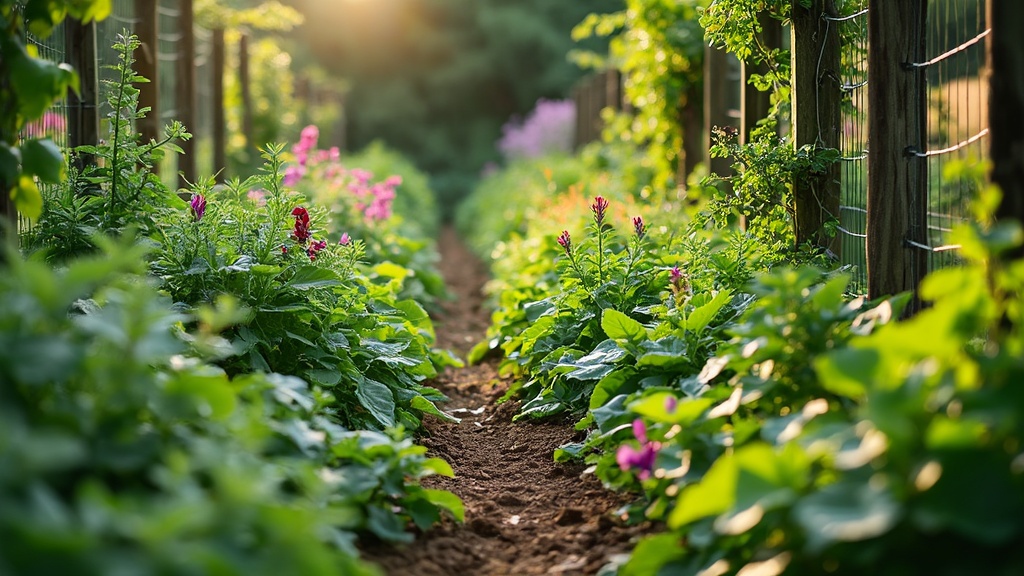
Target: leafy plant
(29, 86)
(122, 189)
(123, 450)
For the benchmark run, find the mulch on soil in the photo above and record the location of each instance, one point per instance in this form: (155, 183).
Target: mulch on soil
(525, 514)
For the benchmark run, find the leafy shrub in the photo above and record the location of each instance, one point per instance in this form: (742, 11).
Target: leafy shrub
(124, 452)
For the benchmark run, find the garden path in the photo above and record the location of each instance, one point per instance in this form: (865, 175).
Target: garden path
(525, 514)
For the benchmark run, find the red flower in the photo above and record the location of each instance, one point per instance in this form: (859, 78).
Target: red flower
(301, 232)
(565, 242)
(598, 207)
(315, 247)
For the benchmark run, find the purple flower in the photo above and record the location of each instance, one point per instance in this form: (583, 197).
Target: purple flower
(549, 128)
(638, 227)
(678, 281)
(599, 207)
(198, 206)
(565, 242)
(641, 459)
(345, 239)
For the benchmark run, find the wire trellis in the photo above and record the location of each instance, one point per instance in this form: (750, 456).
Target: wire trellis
(852, 27)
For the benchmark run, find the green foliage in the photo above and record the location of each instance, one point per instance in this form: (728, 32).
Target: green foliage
(436, 79)
(122, 190)
(124, 451)
(312, 313)
(766, 169)
(659, 47)
(29, 86)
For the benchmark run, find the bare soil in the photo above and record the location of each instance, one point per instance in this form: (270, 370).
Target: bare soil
(525, 514)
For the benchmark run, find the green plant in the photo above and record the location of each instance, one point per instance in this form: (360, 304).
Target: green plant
(123, 450)
(122, 189)
(29, 86)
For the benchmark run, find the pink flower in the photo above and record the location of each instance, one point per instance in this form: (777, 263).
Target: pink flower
(598, 207)
(198, 206)
(565, 241)
(641, 459)
(393, 181)
(361, 176)
(345, 239)
(292, 175)
(257, 197)
(670, 404)
(334, 154)
(308, 138)
(638, 227)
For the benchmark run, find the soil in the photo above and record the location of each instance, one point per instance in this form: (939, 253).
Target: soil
(525, 514)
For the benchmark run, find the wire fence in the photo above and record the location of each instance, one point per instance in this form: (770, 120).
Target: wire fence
(956, 115)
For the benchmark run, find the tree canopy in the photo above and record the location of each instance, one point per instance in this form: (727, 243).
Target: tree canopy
(436, 79)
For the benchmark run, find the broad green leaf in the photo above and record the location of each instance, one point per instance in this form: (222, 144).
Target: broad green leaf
(214, 394)
(699, 319)
(829, 296)
(627, 332)
(427, 407)
(324, 377)
(848, 371)
(27, 198)
(714, 494)
(378, 399)
(439, 466)
(448, 501)
(308, 277)
(416, 315)
(10, 163)
(686, 411)
(846, 511)
(652, 554)
(44, 159)
(669, 353)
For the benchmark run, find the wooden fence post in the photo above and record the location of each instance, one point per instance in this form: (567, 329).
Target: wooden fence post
(245, 81)
(755, 104)
(83, 107)
(1006, 101)
(220, 161)
(691, 117)
(185, 90)
(898, 180)
(147, 65)
(817, 117)
(716, 106)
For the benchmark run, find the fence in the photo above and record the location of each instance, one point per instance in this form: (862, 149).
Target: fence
(188, 66)
(925, 106)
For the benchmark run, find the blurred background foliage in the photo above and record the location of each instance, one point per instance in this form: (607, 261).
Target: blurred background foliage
(437, 79)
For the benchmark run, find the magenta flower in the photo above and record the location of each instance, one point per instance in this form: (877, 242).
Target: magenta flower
(292, 175)
(361, 176)
(315, 247)
(345, 239)
(641, 459)
(598, 207)
(678, 281)
(198, 206)
(301, 232)
(670, 404)
(638, 227)
(565, 242)
(257, 197)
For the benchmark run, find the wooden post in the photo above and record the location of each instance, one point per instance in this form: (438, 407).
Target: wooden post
(716, 106)
(755, 104)
(245, 81)
(613, 89)
(220, 142)
(185, 90)
(898, 180)
(817, 117)
(1006, 101)
(147, 64)
(83, 108)
(691, 117)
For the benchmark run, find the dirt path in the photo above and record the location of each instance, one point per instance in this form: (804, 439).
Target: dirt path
(525, 514)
